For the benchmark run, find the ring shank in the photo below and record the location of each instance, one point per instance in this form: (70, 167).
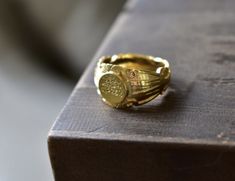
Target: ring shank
(136, 60)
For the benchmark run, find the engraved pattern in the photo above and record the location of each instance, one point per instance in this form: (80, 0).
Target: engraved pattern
(148, 83)
(105, 68)
(111, 85)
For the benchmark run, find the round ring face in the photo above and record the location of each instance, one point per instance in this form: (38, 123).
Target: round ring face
(112, 89)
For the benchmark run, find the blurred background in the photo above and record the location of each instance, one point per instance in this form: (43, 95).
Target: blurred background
(45, 45)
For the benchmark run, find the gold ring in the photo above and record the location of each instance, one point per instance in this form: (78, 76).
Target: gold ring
(125, 80)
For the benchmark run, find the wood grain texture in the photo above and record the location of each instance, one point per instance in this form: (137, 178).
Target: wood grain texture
(188, 134)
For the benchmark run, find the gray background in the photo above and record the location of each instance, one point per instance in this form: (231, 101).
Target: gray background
(31, 95)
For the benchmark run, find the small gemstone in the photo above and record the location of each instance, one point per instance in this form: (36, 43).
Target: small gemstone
(132, 74)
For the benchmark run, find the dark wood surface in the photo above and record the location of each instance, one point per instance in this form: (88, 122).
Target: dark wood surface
(188, 134)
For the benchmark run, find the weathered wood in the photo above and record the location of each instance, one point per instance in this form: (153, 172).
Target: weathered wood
(188, 134)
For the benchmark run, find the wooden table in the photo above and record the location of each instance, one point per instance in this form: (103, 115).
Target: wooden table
(188, 134)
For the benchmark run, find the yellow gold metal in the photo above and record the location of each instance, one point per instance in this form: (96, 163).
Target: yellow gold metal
(125, 80)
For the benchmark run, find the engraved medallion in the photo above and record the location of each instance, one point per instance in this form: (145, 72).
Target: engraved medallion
(112, 89)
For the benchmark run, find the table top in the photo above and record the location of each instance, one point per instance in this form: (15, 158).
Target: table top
(198, 40)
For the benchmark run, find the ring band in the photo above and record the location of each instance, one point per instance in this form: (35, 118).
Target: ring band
(125, 80)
